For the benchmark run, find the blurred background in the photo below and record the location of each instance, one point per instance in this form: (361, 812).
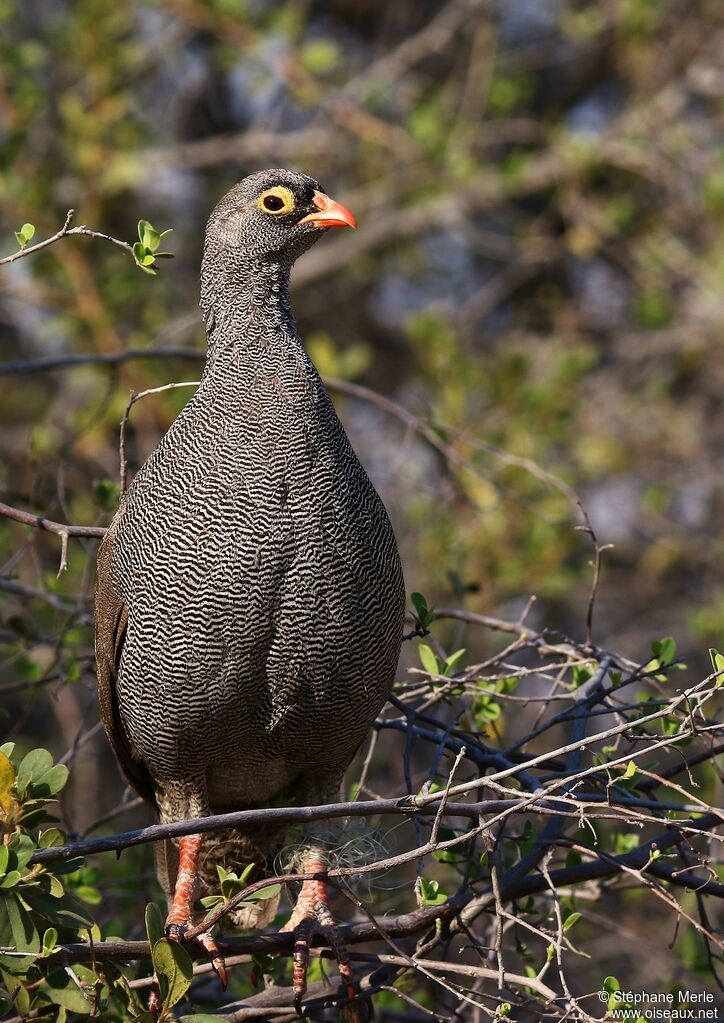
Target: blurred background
(537, 279)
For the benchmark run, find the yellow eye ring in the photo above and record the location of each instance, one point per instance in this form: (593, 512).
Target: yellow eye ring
(276, 200)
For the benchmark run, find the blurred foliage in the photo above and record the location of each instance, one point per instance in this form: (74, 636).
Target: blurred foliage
(538, 274)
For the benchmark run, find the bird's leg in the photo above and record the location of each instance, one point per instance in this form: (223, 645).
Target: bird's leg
(311, 916)
(180, 912)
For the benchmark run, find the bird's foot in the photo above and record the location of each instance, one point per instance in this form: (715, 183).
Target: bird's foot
(312, 916)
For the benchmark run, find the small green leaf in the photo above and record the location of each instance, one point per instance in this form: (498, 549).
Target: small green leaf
(717, 663)
(428, 659)
(664, 649)
(51, 838)
(452, 661)
(425, 614)
(581, 675)
(431, 894)
(24, 235)
(10, 879)
(50, 783)
(630, 771)
(22, 848)
(270, 892)
(154, 924)
(34, 765)
(571, 920)
(16, 926)
(211, 901)
(64, 912)
(174, 970)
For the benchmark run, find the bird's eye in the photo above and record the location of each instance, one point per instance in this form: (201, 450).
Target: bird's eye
(276, 200)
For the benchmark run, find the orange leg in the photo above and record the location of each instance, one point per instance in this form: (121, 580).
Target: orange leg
(312, 916)
(181, 910)
(179, 913)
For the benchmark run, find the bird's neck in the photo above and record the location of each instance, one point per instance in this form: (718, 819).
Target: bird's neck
(245, 302)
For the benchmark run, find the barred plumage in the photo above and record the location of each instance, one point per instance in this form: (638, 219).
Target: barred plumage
(250, 596)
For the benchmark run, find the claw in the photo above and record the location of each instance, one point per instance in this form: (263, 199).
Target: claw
(312, 916)
(207, 942)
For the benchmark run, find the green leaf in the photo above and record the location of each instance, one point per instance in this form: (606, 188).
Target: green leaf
(717, 663)
(211, 901)
(50, 940)
(16, 926)
(10, 879)
(452, 661)
(65, 912)
(88, 894)
(154, 924)
(431, 894)
(571, 920)
(4, 857)
(22, 847)
(51, 782)
(60, 989)
(32, 767)
(24, 235)
(581, 675)
(424, 613)
(270, 892)
(664, 649)
(174, 970)
(428, 659)
(630, 771)
(51, 838)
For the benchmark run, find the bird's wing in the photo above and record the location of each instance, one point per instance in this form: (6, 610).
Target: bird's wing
(111, 625)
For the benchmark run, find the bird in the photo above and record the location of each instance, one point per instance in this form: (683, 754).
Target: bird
(249, 596)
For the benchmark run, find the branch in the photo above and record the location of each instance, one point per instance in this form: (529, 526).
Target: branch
(59, 528)
(40, 522)
(64, 232)
(46, 363)
(404, 806)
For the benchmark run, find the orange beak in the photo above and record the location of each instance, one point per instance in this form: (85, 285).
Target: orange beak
(331, 213)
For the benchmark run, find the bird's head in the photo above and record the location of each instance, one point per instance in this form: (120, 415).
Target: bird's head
(274, 215)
